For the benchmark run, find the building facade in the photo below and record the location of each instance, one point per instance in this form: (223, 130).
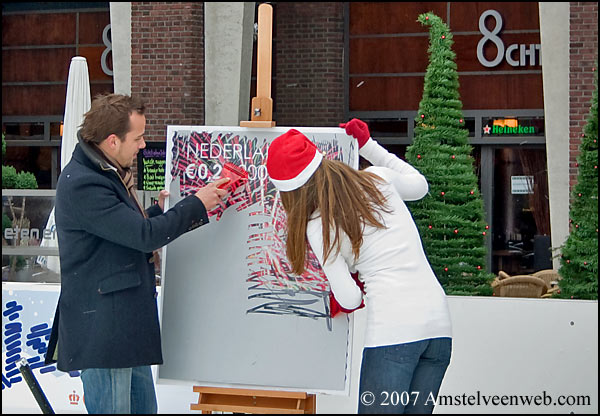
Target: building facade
(332, 61)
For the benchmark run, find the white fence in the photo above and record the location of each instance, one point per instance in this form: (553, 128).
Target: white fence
(506, 351)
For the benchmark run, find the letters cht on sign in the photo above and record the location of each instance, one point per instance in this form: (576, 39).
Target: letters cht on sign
(515, 54)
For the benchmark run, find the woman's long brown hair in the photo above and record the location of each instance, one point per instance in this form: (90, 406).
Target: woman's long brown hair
(346, 198)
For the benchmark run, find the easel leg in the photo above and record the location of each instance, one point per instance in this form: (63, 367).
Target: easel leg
(311, 404)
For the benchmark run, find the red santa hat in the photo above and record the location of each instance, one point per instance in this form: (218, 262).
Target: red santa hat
(292, 159)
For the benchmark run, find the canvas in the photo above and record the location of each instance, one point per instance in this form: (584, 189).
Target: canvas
(232, 312)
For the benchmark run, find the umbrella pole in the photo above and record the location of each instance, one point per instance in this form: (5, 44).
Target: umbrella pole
(35, 388)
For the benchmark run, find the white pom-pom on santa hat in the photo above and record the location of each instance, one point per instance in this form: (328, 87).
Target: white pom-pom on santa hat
(292, 159)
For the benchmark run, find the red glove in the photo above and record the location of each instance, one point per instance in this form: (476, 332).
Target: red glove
(360, 284)
(357, 129)
(335, 307)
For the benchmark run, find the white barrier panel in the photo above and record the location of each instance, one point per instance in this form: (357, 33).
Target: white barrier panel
(27, 315)
(503, 349)
(508, 350)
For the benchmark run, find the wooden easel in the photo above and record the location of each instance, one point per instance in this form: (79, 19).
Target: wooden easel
(243, 400)
(262, 104)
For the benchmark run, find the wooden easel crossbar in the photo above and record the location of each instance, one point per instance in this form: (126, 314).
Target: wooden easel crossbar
(253, 401)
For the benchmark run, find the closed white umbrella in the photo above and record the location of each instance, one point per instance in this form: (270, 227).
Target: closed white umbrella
(78, 102)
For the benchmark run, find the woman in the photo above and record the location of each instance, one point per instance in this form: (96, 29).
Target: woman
(357, 221)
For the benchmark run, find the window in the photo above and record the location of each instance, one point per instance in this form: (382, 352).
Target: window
(28, 242)
(38, 43)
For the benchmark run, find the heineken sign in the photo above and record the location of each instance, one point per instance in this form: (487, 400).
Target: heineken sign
(518, 130)
(508, 127)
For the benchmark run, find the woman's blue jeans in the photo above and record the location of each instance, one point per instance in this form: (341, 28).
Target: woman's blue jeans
(403, 378)
(119, 390)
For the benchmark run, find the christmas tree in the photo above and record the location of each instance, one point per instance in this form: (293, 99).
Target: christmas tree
(579, 258)
(451, 217)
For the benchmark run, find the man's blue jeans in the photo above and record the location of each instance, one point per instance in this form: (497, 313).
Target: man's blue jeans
(119, 390)
(403, 378)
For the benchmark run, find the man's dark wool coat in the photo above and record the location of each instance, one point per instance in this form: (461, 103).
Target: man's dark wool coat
(107, 315)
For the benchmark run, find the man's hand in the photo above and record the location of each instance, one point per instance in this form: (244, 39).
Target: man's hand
(211, 195)
(357, 129)
(162, 195)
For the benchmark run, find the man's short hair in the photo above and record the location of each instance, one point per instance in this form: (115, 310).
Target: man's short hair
(109, 114)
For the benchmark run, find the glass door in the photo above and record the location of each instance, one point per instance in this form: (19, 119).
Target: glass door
(520, 210)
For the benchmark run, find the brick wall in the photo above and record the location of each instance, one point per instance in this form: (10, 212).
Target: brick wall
(583, 55)
(308, 41)
(167, 63)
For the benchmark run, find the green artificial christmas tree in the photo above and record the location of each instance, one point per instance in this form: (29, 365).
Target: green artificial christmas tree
(579, 258)
(451, 217)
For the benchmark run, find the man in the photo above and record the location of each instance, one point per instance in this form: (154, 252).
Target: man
(106, 321)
